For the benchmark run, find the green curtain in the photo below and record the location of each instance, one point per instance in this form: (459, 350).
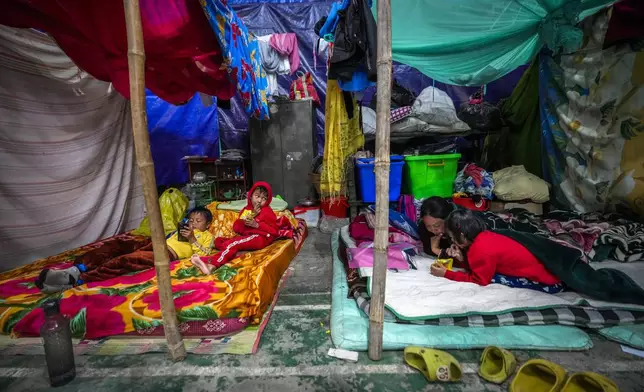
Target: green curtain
(473, 42)
(521, 114)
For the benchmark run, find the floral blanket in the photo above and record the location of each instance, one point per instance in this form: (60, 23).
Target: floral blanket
(241, 290)
(597, 236)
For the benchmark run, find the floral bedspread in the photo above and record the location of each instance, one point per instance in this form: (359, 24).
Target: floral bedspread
(242, 289)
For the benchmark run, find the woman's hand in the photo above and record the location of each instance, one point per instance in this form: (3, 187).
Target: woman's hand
(455, 252)
(188, 234)
(438, 269)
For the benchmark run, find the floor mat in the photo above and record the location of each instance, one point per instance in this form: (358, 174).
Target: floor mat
(244, 342)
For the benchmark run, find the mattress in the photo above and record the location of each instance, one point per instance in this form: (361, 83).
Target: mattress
(350, 327)
(236, 295)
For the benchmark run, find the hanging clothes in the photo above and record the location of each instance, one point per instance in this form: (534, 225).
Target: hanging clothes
(241, 54)
(182, 54)
(354, 47)
(343, 138)
(286, 45)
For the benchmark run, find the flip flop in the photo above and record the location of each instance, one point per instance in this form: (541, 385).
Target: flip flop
(539, 375)
(435, 365)
(589, 382)
(497, 365)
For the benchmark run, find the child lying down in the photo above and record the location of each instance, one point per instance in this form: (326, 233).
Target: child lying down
(492, 257)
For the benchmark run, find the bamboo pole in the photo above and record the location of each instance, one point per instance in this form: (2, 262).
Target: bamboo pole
(136, 65)
(383, 108)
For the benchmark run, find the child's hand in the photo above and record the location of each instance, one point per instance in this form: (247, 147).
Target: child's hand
(455, 252)
(438, 269)
(188, 234)
(250, 222)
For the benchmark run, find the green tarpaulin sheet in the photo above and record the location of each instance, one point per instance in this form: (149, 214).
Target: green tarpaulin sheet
(473, 42)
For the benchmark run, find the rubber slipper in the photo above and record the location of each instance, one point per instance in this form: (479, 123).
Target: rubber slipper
(589, 382)
(497, 364)
(435, 365)
(539, 375)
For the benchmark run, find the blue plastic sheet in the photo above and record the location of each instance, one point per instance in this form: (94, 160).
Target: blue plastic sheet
(177, 131)
(300, 17)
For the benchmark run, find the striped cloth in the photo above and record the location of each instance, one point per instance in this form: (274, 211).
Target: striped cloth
(67, 175)
(578, 316)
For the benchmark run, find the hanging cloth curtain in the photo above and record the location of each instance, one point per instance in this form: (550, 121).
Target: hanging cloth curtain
(473, 42)
(241, 56)
(343, 137)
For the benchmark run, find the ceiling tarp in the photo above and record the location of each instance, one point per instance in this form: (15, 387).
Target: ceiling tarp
(473, 42)
(182, 53)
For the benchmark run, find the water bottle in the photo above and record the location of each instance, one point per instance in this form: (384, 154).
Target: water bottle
(57, 339)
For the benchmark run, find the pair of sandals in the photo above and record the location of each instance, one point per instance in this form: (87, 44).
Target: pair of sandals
(497, 365)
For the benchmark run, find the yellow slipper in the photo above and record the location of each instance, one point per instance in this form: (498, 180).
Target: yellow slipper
(539, 375)
(589, 382)
(436, 365)
(497, 364)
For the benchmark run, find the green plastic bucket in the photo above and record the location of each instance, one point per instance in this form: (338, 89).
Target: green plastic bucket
(431, 175)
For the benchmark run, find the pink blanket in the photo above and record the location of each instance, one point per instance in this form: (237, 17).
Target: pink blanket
(398, 256)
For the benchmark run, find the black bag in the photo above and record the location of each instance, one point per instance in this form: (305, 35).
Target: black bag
(480, 115)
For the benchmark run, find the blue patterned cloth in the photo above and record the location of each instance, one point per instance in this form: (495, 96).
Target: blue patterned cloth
(400, 222)
(240, 51)
(523, 283)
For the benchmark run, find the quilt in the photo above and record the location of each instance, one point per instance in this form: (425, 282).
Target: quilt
(236, 295)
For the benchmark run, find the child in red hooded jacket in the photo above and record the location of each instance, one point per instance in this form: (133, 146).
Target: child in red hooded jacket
(257, 227)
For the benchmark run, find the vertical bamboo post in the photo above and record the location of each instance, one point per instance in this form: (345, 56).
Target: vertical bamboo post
(383, 108)
(136, 65)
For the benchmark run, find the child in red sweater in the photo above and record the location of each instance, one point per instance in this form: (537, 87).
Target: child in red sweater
(488, 254)
(257, 227)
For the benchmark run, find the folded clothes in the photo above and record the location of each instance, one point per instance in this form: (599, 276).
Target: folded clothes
(398, 256)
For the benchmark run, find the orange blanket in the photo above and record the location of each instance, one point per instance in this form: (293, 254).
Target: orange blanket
(242, 289)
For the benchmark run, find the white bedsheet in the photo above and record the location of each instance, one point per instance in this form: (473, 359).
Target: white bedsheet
(416, 294)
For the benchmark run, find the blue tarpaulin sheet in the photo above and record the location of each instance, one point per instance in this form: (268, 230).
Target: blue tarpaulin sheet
(177, 131)
(300, 17)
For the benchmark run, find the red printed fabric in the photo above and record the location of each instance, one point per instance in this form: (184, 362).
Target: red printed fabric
(182, 53)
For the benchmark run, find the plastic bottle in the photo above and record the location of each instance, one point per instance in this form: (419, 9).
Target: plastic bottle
(57, 339)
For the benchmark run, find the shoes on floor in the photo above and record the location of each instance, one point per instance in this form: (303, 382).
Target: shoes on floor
(435, 365)
(589, 382)
(497, 365)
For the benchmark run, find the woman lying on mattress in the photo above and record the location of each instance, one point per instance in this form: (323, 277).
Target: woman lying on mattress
(492, 257)
(431, 227)
(97, 266)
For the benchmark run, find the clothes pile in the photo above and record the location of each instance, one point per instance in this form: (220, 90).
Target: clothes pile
(280, 56)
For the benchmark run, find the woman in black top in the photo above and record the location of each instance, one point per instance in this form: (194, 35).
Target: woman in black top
(431, 227)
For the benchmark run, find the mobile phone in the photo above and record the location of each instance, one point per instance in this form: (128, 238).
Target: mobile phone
(181, 225)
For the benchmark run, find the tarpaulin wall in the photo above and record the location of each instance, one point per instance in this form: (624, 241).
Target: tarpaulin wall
(177, 131)
(299, 17)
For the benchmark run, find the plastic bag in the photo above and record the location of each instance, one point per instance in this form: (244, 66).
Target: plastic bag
(480, 115)
(516, 184)
(329, 224)
(400, 96)
(173, 206)
(435, 107)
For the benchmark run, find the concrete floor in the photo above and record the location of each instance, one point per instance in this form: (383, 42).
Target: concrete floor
(292, 355)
